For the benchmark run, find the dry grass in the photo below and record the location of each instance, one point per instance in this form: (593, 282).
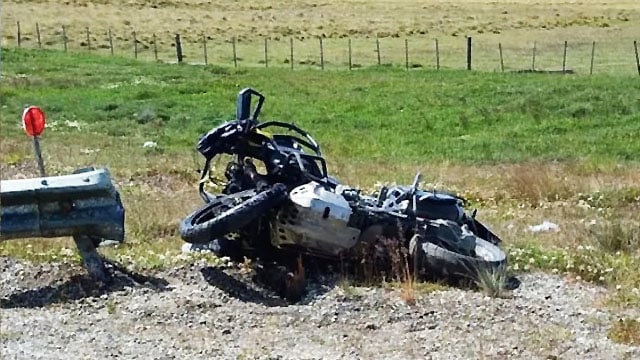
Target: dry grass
(536, 183)
(158, 190)
(515, 24)
(617, 235)
(625, 331)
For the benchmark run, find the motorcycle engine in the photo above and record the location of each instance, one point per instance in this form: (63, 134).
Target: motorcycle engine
(316, 220)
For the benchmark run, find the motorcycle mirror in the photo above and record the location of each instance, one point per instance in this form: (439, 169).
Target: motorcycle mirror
(243, 104)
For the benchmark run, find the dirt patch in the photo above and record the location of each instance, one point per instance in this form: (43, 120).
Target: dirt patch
(195, 318)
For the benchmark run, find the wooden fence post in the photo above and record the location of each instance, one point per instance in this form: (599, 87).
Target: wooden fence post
(350, 61)
(88, 39)
(204, 49)
(378, 50)
(135, 45)
(406, 54)
(291, 55)
(64, 37)
(437, 56)
(593, 53)
(38, 35)
(635, 45)
(235, 54)
(564, 57)
(266, 53)
(469, 53)
(19, 34)
(321, 53)
(110, 41)
(179, 49)
(501, 58)
(533, 57)
(155, 47)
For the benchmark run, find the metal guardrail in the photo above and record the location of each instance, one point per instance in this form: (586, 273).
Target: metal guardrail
(84, 205)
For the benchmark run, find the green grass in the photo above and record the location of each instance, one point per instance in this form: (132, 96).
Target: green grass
(373, 113)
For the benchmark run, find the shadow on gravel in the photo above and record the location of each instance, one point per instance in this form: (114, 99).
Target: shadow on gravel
(82, 286)
(239, 289)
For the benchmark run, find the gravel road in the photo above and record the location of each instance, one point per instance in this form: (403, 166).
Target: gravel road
(51, 311)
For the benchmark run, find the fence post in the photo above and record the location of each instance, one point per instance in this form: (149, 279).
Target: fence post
(378, 50)
(266, 53)
(564, 57)
(19, 34)
(350, 63)
(406, 54)
(110, 41)
(635, 45)
(235, 54)
(533, 57)
(204, 49)
(469, 53)
(291, 55)
(88, 39)
(155, 47)
(38, 35)
(179, 49)
(593, 53)
(135, 45)
(437, 56)
(321, 53)
(501, 58)
(64, 37)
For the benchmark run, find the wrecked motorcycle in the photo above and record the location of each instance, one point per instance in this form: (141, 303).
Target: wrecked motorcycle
(293, 206)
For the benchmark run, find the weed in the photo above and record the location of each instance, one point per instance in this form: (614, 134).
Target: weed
(145, 116)
(13, 158)
(382, 258)
(625, 331)
(8, 335)
(586, 263)
(492, 281)
(348, 287)
(111, 307)
(616, 235)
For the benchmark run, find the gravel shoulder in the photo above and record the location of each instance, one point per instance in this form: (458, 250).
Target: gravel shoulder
(50, 311)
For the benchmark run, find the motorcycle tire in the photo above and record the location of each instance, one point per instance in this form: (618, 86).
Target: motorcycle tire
(213, 221)
(434, 259)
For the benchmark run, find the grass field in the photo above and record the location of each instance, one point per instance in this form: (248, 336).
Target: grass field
(524, 148)
(516, 25)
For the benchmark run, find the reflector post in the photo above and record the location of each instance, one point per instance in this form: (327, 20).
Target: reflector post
(33, 122)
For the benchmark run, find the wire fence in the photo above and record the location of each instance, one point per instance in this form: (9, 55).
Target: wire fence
(577, 56)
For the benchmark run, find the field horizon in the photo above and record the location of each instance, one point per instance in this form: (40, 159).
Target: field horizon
(513, 25)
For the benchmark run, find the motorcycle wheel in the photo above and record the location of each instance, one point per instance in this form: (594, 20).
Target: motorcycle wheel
(216, 219)
(435, 260)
